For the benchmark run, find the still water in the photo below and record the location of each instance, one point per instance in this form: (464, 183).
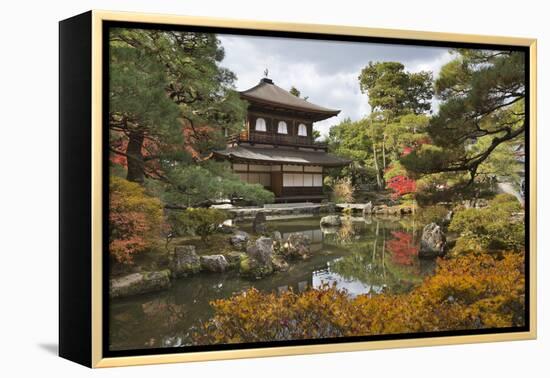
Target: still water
(361, 257)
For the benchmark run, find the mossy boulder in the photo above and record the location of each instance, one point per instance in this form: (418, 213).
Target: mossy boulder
(262, 250)
(297, 246)
(258, 260)
(251, 268)
(214, 263)
(234, 259)
(139, 283)
(279, 264)
(239, 240)
(185, 261)
(433, 242)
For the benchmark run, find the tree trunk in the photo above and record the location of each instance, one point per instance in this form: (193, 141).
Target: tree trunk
(384, 166)
(135, 158)
(384, 152)
(378, 179)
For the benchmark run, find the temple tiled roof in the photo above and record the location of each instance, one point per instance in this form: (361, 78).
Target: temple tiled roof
(281, 156)
(266, 92)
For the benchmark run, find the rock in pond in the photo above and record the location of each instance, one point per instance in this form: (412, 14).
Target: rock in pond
(214, 263)
(331, 221)
(297, 246)
(258, 260)
(239, 240)
(227, 227)
(261, 250)
(139, 283)
(276, 236)
(234, 258)
(184, 261)
(279, 264)
(433, 242)
(259, 225)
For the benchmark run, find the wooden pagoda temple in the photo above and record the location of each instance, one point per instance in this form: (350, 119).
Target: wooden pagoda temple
(277, 148)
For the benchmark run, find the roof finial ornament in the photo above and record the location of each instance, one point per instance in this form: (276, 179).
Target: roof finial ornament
(266, 73)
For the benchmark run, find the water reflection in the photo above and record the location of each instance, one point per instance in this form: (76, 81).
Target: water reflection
(361, 257)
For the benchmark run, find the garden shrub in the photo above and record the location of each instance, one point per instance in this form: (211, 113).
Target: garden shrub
(490, 229)
(135, 219)
(469, 292)
(199, 221)
(343, 190)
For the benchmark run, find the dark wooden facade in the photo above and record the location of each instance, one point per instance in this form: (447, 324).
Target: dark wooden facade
(276, 148)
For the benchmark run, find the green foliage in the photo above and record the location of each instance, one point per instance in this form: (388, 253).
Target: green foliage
(350, 139)
(469, 292)
(393, 89)
(480, 120)
(429, 214)
(135, 219)
(198, 221)
(190, 66)
(406, 133)
(492, 229)
(169, 100)
(394, 170)
(398, 101)
(206, 181)
(137, 96)
(296, 92)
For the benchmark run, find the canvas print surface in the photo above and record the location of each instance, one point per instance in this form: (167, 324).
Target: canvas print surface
(268, 189)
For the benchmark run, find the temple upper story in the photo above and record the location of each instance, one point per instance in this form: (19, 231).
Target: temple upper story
(275, 116)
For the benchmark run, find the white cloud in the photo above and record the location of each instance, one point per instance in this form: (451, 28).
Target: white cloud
(326, 72)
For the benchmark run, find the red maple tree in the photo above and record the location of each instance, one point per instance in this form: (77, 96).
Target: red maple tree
(401, 185)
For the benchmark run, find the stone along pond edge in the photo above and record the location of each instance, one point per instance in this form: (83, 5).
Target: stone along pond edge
(255, 259)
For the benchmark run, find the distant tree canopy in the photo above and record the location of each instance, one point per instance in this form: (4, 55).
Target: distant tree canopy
(169, 101)
(469, 144)
(392, 89)
(393, 93)
(296, 92)
(481, 118)
(399, 102)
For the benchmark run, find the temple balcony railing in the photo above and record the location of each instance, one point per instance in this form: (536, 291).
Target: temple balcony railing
(276, 139)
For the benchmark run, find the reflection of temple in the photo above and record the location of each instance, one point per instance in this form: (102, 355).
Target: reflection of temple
(277, 148)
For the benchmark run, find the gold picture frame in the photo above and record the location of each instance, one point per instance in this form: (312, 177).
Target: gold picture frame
(93, 24)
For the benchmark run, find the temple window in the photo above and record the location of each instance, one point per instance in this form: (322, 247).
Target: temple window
(281, 129)
(302, 130)
(260, 125)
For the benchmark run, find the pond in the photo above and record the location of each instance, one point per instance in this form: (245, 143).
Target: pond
(364, 256)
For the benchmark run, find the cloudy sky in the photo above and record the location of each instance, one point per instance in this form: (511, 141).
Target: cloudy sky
(326, 71)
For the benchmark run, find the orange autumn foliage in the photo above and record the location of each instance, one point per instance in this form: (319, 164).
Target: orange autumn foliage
(465, 293)
(134, 219)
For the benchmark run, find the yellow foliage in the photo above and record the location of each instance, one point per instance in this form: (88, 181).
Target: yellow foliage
(469, 292)
(343, 190)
